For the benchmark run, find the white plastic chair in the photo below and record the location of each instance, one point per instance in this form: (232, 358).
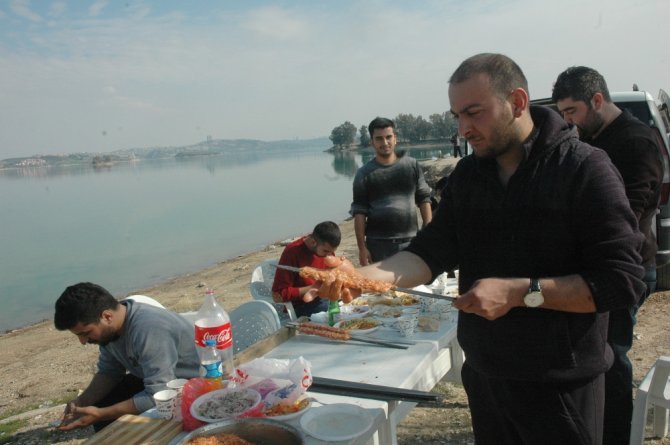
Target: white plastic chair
(251, 322)
(261, 289)
(654, 391)
(144, 299)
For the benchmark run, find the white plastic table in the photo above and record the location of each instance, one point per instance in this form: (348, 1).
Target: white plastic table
(421, 366)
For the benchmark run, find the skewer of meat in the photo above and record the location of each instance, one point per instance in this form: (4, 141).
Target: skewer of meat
(340, 334)
(323, 331)
(349, 280)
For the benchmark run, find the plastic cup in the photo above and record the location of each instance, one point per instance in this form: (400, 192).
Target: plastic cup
(406, 324)
(165, 403)
(177, 385)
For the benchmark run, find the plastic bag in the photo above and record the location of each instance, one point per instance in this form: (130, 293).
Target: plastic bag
(278, 381)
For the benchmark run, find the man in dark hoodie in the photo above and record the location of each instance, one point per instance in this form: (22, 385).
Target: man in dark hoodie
(583, 98)
(539, 225)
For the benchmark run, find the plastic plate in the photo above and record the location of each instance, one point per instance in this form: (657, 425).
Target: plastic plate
(359, 331)
(348, 312)
(336, 422)
(252, 395)
(294, 415)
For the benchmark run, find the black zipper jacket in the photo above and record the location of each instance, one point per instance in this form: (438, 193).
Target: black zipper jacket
(564, 211)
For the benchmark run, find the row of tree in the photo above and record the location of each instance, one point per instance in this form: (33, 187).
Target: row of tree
(409, 128)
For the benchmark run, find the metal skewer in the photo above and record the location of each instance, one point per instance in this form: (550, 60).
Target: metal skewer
(399, 289)
(361, 339)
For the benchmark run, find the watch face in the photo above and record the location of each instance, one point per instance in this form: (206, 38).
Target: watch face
(533, 299)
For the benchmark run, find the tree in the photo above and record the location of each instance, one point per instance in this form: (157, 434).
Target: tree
(412, 129)
(443, 125)
(364, 136)
(344, 134)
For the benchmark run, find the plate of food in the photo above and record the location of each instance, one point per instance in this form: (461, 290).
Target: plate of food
(227, 403)
(258, 431)
(285, 412)
(348, 311)
(387, 314)
(407, 299)
(363, 325)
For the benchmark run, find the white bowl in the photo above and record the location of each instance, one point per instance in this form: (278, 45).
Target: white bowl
(336, 422)
(251, 395)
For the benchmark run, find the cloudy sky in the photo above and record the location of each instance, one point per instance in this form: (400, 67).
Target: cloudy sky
(103, 75)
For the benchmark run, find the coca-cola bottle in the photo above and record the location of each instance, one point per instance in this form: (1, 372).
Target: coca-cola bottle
(213, 323)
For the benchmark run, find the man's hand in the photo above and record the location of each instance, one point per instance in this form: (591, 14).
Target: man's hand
(333, 289)
(79, 417)
(364, 256)
(492, 298)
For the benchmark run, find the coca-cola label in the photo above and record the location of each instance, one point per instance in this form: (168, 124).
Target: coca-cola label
(222, 334)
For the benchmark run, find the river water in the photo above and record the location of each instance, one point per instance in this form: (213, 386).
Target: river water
(132, 225)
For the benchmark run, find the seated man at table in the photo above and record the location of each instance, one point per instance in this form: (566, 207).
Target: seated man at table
(142, 347)
(312, 251)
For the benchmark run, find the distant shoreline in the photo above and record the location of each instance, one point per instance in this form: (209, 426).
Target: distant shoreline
(433, 170)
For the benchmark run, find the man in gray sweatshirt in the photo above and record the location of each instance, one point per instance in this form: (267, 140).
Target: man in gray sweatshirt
(142, 347)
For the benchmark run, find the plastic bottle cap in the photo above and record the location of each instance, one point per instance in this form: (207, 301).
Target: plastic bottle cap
(210, 342)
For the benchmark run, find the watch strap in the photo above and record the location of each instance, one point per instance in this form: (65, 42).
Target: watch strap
(535, 285)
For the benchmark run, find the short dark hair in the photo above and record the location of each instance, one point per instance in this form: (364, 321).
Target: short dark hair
(504, 74)
(327, 232)
(82, 303)
(580, 83)
(379, 123)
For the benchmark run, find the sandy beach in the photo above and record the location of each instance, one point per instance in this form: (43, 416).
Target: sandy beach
(40, 367)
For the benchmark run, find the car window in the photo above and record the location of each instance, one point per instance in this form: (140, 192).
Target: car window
(638, 109)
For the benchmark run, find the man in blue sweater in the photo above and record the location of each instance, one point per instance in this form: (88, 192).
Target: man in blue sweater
(142, 347)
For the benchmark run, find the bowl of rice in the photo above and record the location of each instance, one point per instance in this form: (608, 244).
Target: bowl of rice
(227, 403)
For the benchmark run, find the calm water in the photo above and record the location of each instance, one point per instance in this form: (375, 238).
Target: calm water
(133, 225)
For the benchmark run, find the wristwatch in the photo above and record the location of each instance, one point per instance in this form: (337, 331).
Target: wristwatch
(534, 297)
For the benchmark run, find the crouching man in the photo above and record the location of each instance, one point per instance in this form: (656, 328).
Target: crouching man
(142, 347)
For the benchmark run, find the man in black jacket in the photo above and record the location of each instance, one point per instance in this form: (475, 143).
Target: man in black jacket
(583, 98)
(546, 243)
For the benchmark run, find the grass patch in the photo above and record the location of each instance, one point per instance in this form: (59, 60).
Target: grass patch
(8, 429)
(55, 402)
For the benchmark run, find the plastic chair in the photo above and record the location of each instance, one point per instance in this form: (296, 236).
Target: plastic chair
(144, 299)
(654, 391)
(251, 322)
(261, 289)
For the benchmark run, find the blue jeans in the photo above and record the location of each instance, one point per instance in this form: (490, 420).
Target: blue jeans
(619, 378)
(313, 307)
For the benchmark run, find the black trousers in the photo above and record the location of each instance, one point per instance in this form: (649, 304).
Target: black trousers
(126, 388)
(508, 412)
(619, 378)
(381, 249)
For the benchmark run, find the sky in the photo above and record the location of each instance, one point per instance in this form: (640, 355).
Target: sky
(97, 76)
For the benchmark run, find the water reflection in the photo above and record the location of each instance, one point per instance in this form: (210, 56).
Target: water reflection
(415, 152)
(344, 163)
